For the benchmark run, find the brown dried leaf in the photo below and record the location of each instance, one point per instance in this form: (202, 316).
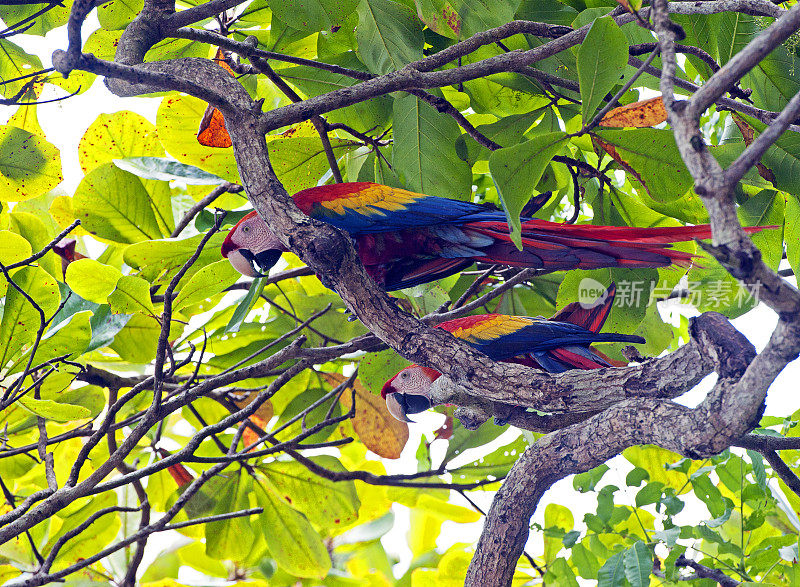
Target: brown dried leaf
(639, 114)
(748, 133)
(373, 423)
(264, 411)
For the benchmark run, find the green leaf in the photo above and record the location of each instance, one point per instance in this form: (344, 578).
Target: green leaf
(136, 342)
(114, 204)
(163, 169)
(13, 247)
(40, 25)
(602, 58)
(312, 15)
(494, 465)
(131, 295)
(105, 327)
(638, 564)
(364, 116)
(653, 157)
(463, 439)
(51, 410)
(766, 209)
(116, 136)
(292, 542)
(159, 259)
(612, 573)
(460, 19)
(246, 303)
(207, 282)
(791, 232)
(118, 14)
(377, 368)
(389, 35)
(232, 538)
(423, 154)
(29, 165)
(300, 162)
(15, 63)
(517, 169)
(178, 120)
(92, 280)
(21, 320)
(67, 339)
(558, 520)
(327, 504)
(588, 480)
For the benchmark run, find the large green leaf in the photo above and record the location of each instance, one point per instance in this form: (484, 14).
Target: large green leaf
(299, 162)
(312, 15)
(461, 19)
(389, 35)
(136, 342)
(21, 320)
(163, 169)
(41, 24)
(91, 280)
(424, 155)
(291, 539)
(52, 410)
(159, 259)
(638, 564)
(376, 368)
(39, 234)
(207, 282)
(517, 169)
(503, 94)
(231, 539)
(114, 204)
(313, 81)
(653, 157)
(558, 520)
(327, 504)
(602, 58)
(463, 439)
(131, 295)
(29, 165)
(496, 464)
(117, 14)
(116, 136)
(178, 121)
(67, 339)
(612, 573)
(15, 62)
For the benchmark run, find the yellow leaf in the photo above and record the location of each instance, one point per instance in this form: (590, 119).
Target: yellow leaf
(373, 423)
(639, 114)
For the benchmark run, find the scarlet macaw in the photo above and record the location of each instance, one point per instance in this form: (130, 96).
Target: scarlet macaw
(555, 345)
(406, 239)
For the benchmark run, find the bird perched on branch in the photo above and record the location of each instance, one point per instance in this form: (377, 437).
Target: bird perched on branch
(555, 345)
(406, 239)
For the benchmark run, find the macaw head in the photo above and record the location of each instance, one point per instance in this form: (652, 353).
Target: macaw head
(251, 246)
(408, 392)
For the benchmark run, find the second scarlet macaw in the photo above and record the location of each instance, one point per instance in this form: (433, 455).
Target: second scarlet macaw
(406, 239)
(555, 345)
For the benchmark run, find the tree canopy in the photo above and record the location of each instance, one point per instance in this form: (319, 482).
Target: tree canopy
(148, 390)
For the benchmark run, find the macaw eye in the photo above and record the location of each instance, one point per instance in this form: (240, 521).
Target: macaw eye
(245, 228)
(403, 375)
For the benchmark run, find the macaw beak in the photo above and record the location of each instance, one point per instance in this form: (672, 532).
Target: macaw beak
(247, 263)
(401, 404)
